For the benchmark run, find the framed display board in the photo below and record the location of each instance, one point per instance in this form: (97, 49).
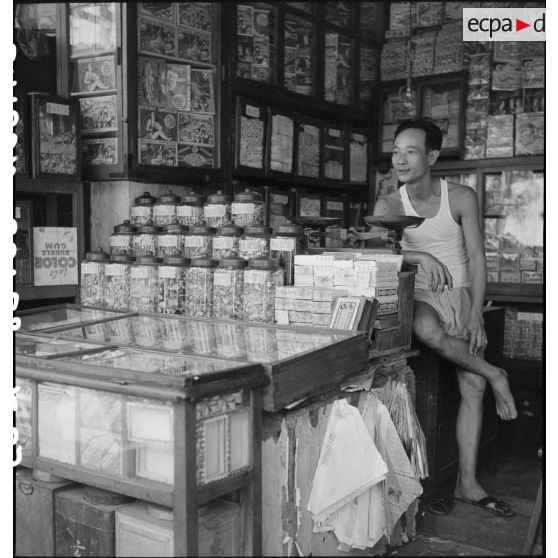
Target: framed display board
(281, 142)
(21, 149)
(309, 147)
(333, 162)
(55, 141)
(250, 135)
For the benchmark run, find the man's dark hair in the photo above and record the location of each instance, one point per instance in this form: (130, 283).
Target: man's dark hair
(433, 133)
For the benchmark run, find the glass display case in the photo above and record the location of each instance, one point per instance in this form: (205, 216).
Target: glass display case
(285, 352)
(173, 430)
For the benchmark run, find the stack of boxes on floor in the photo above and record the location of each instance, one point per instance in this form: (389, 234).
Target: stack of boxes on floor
(320, 279)
(69, 519)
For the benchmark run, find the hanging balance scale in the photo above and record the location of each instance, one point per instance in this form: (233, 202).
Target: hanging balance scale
(394, 224)
(315, 228)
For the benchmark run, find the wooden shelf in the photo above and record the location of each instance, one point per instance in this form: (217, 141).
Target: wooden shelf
(515, 292)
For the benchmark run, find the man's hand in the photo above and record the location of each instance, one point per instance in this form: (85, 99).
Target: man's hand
(477, 339)
(437, 273)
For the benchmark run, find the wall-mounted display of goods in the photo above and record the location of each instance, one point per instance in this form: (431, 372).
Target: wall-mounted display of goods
(282, 142)
(309, 143)
(299, 55)
(340, 14)
(255, 48)
(55, 141)
(338, 82)
(251, 119)
(368, 74)
(358, 157)
(334, 154)
(21, 147)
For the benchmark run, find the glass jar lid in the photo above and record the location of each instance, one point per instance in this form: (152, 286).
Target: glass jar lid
(258, 230)
(169, 197)
(176, 259)
(125, 228)
(229, 230)
(174, 228)
(148, 259)
(148, 228)
(203, 261)
(191, 198)
(97, 256)
(262, 262)
(145, 199)
(248, 196)
(219, 197)
(289, 229)
(122, 257)
(233, 261)
(202, 228)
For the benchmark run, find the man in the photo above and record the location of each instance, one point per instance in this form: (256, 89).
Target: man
(449, 290)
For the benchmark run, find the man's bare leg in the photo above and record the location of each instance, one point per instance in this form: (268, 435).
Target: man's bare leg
(427, 328)
(468, 431)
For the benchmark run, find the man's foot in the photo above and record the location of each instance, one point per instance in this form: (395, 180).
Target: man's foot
(505, 404)
(471, 491)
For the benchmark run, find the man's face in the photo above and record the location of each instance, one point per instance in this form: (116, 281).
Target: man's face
(410, 158)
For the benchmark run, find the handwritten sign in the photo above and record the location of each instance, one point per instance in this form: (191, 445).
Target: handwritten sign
(55, 258)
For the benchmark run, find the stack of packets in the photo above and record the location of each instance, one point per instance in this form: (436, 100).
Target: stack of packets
(321, 280)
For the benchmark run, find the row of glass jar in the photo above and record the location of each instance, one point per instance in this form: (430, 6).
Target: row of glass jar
(202, 287)
(196, 240)
(193, 209)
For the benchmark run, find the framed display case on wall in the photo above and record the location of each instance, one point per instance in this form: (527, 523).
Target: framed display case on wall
(250, 133)
(21, 149)
(55, 142)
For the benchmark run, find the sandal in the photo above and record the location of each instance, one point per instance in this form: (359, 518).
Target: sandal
(491, 504)
(439, 504)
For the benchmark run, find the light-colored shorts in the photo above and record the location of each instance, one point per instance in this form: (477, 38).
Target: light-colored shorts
(453, 307)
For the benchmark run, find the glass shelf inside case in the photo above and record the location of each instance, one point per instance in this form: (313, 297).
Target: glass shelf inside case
(51, 318)
(247, 342)
(48, 347)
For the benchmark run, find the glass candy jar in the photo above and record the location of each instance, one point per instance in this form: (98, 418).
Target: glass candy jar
(198, 241)
(247, 209)
(172, 283)
(226, 240)
(116, 287)
(190, 211)
(144, 284)
(217, 209)
(93, 278)
(288, 240)
(228, 288)
(171, 239)
(122, 239)
(142, 210)
(255, 242)
(145, 239)
(164, 210)
(199, 292)
(261, 278)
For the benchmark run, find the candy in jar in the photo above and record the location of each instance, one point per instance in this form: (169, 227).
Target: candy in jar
(172, 282)
(93, 278)
(164, 210)
(226, 240)
(247, 209)
(190, 210)
(198, 241)
(255, 242)
(171, 239)
(122, 239)
(116, 287)
(145, 239)
(217, 209)
(261, 278)
(144, 284)
(288, 241)
(199, 288)
(228, 288)
(142, 210)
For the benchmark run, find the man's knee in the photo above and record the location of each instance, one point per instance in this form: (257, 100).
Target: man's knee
(472, 386)
(429, 332)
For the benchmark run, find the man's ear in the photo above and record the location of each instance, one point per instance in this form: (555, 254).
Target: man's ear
(433, 155)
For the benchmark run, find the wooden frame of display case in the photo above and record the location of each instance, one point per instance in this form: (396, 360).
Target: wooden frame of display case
(419, 84)
(184, 496)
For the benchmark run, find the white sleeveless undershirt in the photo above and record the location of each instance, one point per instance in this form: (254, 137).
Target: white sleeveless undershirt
(440, 236)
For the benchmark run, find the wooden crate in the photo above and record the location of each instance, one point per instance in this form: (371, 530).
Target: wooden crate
(34, 514)
(397, 338)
